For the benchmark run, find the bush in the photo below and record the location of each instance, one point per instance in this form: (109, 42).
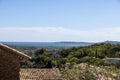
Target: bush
(89, 72)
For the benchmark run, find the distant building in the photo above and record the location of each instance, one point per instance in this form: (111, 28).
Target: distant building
(40, 74)
(9, 62)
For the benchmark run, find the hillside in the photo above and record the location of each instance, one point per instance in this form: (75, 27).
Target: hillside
(94, 55)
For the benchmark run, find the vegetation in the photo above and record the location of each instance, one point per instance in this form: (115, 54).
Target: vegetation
(89, 72)
(92, 55)
(78, 63)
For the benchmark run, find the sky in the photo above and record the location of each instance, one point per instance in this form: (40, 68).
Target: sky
(59, 20)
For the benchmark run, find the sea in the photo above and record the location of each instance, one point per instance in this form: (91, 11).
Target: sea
(45, 44)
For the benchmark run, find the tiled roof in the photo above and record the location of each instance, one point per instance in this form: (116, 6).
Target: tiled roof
(40, 74)
(19, 54)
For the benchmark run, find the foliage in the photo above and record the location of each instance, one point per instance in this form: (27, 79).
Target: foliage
(94, 55)
(70, 58)
(89, 72)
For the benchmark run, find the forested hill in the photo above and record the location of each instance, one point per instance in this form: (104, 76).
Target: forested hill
(94, 54)
(101, 50)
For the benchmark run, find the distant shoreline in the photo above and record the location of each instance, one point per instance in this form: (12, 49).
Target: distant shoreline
(55, 44)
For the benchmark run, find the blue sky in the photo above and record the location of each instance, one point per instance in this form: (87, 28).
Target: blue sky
(59, 20)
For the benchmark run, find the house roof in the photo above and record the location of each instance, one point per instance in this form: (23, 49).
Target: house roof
(40, 74)
(23, 57)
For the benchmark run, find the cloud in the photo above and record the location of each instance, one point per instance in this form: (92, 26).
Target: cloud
(48, 34)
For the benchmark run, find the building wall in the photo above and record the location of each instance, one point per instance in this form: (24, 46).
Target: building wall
(9, 66)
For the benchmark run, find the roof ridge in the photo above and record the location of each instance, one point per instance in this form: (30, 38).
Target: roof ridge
(14, 50)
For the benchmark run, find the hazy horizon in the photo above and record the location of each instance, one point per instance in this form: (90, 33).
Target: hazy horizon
(61, 41)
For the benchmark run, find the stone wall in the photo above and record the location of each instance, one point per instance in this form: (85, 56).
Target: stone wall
(9, 66)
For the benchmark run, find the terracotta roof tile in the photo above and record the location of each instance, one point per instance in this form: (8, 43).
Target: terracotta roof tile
(40, 74)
